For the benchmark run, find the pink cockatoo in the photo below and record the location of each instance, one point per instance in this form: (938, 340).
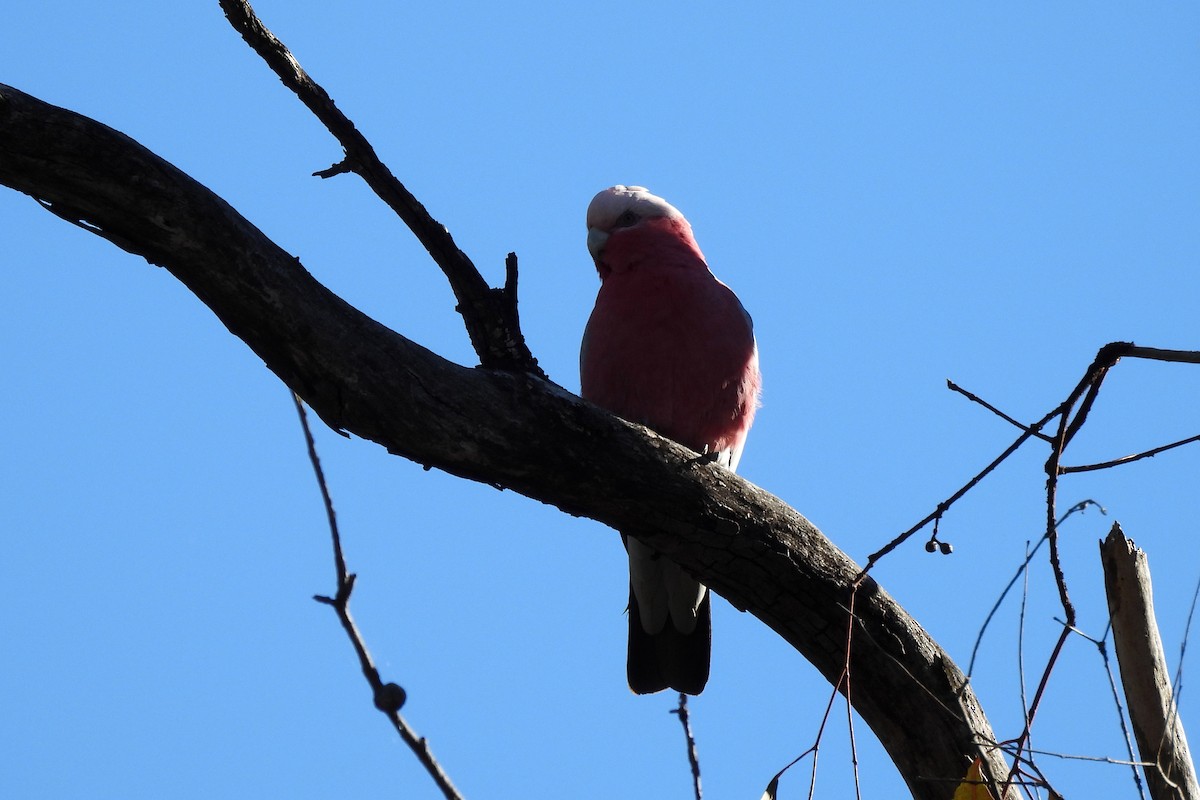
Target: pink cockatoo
(668, 346)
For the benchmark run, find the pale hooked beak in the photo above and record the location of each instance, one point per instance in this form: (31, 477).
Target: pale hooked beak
(596, 239)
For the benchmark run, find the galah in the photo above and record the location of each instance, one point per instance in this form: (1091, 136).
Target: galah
(670, 347)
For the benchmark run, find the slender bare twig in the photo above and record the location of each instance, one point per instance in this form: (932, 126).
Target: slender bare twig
(1066, 429)
(954, 387)
(942, 507)
(490, 314)
(1177, 683)
(1060, 580)
(847, 674)
(773, 785)
(388, 697)
(693, 755)
(1074, 424)
(1121, 762)
(1078, 507)
(339, 559)
(1031, 777)
(1102, 647)
(1021, 635)
(1116, 462)
(843, 685)
(1023, 738)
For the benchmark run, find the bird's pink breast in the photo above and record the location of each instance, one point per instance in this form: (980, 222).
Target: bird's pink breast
(672, 348)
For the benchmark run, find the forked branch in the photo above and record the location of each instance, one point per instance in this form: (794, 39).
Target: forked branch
(490, 314)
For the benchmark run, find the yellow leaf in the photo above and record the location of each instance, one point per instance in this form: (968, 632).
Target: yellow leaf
(973, 787)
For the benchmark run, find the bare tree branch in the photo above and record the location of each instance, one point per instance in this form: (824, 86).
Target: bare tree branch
(1071, 414)
(490, 314)
(511, 430)
(693, 757)
(1102, 650)
(974, 398)
(1088, 388)
(388, 697)
(1116, 462)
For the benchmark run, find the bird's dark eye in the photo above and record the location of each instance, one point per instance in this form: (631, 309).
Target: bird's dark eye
(627, 219)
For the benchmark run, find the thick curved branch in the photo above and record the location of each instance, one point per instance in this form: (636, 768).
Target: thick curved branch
(511, 430)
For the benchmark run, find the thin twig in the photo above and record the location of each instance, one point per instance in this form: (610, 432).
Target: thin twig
(1023, 738)
(1116, 462)
(1066, 429)
(388, 697)
(815, 749)
(693, 756)
(1021, 635)
(954, 387)
(1075, 424)
(1078, 507)
(945, 504)
(1121, 762)
(847, 675)
(1056, 451)
(1177, 683)
(339, 559)
(1102, 647)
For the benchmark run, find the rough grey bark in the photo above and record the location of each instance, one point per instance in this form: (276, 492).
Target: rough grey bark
(510, 429)
(1144, 675)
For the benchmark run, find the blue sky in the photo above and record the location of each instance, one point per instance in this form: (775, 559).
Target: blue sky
(986, 193)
